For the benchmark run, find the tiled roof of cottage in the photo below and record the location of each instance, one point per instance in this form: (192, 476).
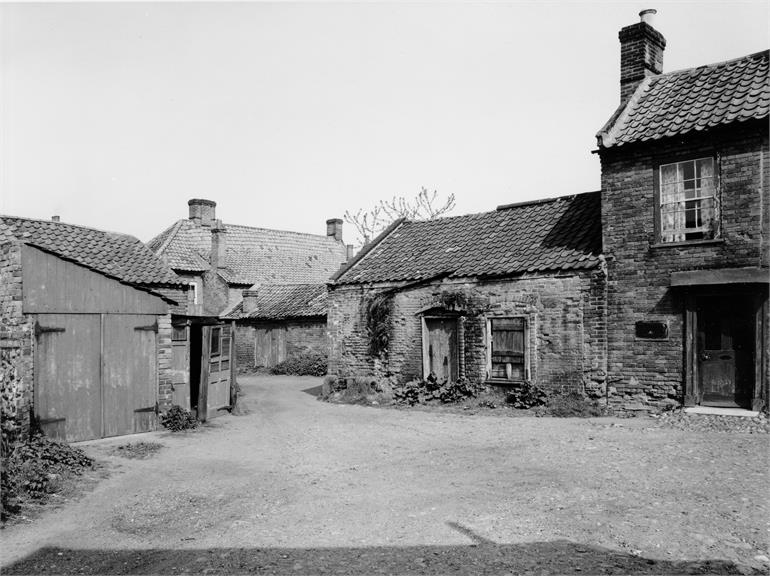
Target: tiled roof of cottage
(545, 235)
(279, 301)
(253, 255)
(117, 255)
(695, 99)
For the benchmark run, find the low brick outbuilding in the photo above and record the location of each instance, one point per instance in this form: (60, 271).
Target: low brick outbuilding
(504, 297)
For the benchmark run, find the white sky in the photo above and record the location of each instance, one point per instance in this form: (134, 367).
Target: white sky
(286, 114)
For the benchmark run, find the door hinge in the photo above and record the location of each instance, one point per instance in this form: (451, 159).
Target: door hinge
(148, 409)
(43, 421)
(150, 328)
(45, 329)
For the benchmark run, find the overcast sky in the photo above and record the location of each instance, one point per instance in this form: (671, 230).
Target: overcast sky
(286, 114)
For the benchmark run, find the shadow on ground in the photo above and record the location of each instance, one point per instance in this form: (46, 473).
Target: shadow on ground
(314, 391)
(556, 557)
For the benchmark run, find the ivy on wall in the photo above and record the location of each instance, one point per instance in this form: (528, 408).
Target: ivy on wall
(379, 320)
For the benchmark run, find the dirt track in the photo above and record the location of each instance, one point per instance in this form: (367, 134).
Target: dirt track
(299, 486)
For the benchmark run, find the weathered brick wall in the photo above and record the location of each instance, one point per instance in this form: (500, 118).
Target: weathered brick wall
(639, 272)
(566, 317)
(215, 293)
(165, 360)
(301, 336)
(16, 347)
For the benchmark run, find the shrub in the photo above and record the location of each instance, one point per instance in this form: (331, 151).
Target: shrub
(177, 419)
(572, 404)
(303, 364)
(33, 470)
(421, 391)
(526, 396)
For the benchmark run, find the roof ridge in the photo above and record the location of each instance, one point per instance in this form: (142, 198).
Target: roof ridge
(540, 201)
(82, 226)
(765, 53)
(320, 236)
(172, 232)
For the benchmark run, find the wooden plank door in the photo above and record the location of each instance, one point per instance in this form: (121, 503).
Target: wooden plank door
(130, 378)
(220, 351)
(180, 367)
(67, 376)
(269, 345)
(725, 351)
(442, 348)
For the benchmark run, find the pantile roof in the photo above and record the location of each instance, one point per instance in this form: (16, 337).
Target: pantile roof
(545, 235)
(689, 100)
(253, 255)
(279, 301)
(120, 256)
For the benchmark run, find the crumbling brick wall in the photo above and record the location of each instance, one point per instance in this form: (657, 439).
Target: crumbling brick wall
(566, 315)
(16, 346)
(639, 268)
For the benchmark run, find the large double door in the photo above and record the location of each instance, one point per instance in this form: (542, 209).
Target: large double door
(95, 375)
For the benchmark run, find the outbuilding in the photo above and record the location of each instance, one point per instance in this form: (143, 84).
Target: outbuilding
(86, 339)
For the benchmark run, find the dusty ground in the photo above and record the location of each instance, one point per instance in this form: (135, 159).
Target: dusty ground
(300, 486)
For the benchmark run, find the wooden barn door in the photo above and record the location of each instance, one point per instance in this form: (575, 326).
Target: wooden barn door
(67, 376)
(130, 374)
(269, 346)
(441, 353)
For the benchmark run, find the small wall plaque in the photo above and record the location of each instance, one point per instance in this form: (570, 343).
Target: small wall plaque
(652, 330)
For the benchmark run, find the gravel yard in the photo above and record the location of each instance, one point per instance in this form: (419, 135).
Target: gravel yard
(294, 485)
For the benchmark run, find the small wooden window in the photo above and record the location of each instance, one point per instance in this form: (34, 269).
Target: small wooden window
(194, 290)
(508, 349)
(179, 333)
(688, 200)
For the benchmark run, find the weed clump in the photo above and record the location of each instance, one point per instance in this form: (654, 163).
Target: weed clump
(177, 419)
(423, 391)
(303, 364)
(34, 469)
(525, 396)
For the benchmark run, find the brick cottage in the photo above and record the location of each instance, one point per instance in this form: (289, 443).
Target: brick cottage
(653, 291)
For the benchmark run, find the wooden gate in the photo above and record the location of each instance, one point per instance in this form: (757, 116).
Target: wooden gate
(440, 348)
(269, 346)
(95, 375)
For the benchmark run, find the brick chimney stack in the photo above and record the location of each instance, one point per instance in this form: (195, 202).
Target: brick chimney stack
(203, 212)
(250, 300)
(641, 53)
(334, 228)
(55, 219)
(218, 245)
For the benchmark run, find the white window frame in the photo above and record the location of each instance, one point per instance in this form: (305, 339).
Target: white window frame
(527, 324)
(194, 287)
(710, 231)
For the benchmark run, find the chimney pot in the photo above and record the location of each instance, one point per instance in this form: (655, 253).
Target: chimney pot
(334, 228)
(648, 16)
(55, 219)
(202, 211)
(641, 53)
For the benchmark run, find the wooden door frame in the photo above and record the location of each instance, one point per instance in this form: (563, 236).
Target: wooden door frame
(692, 377)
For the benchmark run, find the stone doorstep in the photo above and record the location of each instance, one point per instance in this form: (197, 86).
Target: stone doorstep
(714, 411)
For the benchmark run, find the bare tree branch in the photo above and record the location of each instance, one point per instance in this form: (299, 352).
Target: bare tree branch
(425, 206)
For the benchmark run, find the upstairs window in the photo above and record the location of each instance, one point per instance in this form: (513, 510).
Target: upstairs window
(688, 201)
(507, 349)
